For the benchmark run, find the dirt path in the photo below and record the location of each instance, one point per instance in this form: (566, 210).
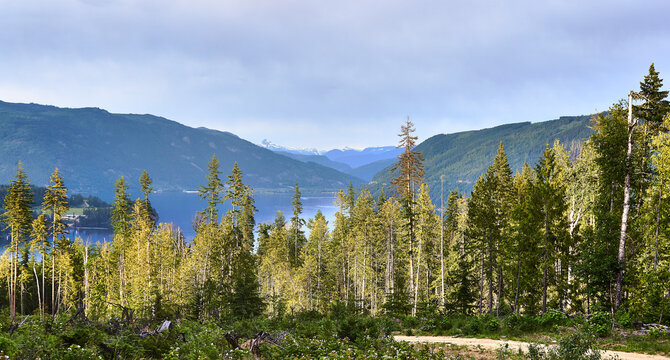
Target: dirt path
(491, 344)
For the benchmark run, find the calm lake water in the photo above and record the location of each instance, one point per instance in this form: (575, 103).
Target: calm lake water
(179, 208)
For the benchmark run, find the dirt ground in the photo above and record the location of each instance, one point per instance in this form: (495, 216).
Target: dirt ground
(490, 344)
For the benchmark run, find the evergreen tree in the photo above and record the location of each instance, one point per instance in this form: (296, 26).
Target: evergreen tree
(121, 208)
(17, 217)
(297, 237)
(212, 191)
(146, 188)
(551, 209)
(39, 236)
(55, 205)
(410, 177)
(655, 105)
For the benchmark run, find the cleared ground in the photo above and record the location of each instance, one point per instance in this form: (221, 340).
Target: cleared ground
(491, 344)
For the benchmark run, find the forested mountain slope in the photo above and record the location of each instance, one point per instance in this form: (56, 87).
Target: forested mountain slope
(92, 148)
(461, 157)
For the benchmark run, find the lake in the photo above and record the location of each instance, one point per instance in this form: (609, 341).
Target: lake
(179, 208)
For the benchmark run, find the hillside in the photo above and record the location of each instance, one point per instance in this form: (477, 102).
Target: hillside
(463, 156)
(93, 148)
(319, 159)
(357, 158)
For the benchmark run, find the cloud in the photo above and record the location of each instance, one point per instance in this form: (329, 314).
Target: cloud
(327, 67)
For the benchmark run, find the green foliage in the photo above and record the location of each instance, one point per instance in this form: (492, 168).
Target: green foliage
(8, 347)
(600, 323)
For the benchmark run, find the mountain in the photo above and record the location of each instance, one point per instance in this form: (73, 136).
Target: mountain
(279, 148)
(92, 148)
(363, 164)
(356, 158)
(368, 171)
(319, 159)
(462, 157)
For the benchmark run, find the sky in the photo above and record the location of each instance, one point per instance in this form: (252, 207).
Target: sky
(326, 74)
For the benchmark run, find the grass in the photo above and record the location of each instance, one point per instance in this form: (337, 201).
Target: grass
(657, 345)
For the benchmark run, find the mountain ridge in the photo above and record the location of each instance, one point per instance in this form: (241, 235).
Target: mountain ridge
(93, 147)
(463, 156)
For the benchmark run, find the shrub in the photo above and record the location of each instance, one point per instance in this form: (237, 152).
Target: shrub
(8, 347)
(600, 324)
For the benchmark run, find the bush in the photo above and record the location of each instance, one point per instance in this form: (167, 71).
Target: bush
(8, 347)
(576, 346)
(492, 324)
(552, 317)
(600, 324)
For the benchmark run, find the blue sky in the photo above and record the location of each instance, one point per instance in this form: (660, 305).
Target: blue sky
(330, 74)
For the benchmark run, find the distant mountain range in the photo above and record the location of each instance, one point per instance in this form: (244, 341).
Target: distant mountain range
(363, 164)
(92, 148)
(462, 157)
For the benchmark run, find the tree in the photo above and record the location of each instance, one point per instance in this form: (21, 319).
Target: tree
(410, 176)
(146, 188)
(17, 217)
(39, 236)
(525, 246)
(297, 237)
(655, 105)
(55, 205)
(121, 208)
(552, 210)
(488, 225)
(212, 191)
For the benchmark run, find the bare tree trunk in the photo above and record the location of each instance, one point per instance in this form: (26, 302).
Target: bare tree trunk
(500, 289)
(626, 204)
(44, 289)
(86, 278)
(518, 280)
(411, 264)
(37, 282)
(658, 220)
(416, 283)
(442, 240)
(53, 279)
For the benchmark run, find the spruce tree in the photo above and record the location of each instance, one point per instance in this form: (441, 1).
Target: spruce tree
(121, 208)
(297, 234)
(39, 236)
(17, 217)
(55, 205)
(146, 188)
(551, 210)
(410, 168)
(655, 105)
(212, 191)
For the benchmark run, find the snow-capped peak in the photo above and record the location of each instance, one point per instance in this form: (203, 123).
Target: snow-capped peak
(275, 147)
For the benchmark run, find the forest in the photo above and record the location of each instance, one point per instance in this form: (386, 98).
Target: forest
(581, 234)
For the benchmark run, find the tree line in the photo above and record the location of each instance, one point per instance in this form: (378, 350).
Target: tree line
(579, 231)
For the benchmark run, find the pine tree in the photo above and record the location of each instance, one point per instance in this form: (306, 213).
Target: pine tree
(55, 204)
(488, 226)
(17, 217)
(39, 235)
(297, 237)
(121, 208)
(408, 180)
(552, 210)
(655, 105)
(212, 191)
(146, 188)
